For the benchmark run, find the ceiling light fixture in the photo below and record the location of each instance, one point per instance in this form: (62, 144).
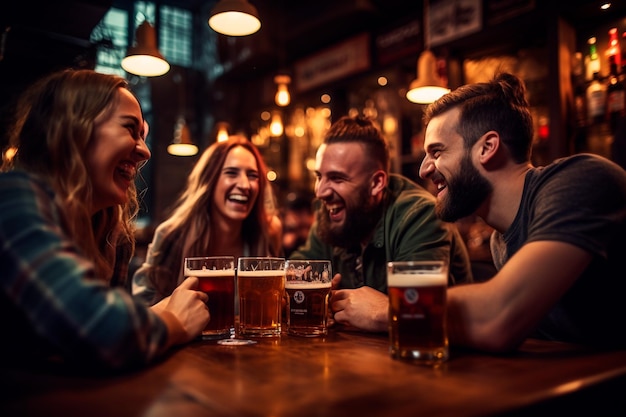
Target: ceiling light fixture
(222, 132)
(144, 58)
(282, 98)
(276, 125)
(234, 18)
(182, 144)
(428, 86)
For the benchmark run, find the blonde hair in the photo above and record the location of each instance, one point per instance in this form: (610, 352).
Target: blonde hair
(53, 127)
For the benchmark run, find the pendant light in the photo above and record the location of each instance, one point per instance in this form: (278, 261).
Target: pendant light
(182, 144)
(428, 86)
(282, 98)
(144, 58)
(234, 18)
(222, 132)
(276, 125)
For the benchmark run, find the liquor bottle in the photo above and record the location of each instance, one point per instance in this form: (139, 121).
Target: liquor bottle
(615, 95)
(580, 103)
(593, 60)
(596, 100)
(598, 132)
(579, 84)
(613, 51)
(623, 48)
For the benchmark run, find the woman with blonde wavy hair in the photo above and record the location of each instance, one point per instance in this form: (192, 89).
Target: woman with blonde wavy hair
(226, 208)
(67, 202)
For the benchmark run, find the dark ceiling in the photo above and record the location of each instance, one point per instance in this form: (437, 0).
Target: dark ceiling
(39, 36)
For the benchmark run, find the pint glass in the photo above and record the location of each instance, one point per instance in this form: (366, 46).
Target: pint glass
(307, 284)
(217, 279)
(261, 284)
(417, 310)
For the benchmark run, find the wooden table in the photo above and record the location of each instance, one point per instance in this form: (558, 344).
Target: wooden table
(344, 374)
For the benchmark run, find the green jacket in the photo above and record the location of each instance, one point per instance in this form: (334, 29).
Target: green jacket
(407, 231)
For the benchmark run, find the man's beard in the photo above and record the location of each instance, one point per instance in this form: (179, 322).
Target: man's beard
(360, 219)
(466, 192)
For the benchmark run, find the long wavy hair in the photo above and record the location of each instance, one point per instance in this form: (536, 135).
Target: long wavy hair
(53, 127)
(191, 214)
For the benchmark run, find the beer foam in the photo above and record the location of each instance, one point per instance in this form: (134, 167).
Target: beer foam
(261, 273)
(416, 279)
(209, 272)
(306, 285)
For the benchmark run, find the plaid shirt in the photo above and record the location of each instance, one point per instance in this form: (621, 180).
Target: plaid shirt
(50, 301)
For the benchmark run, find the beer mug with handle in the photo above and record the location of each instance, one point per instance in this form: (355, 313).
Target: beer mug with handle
(307, 284)
(261, 284)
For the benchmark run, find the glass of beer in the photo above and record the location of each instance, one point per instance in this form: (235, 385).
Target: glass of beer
(307, 283)
(261, 284)
(217, 279)
(417, 310)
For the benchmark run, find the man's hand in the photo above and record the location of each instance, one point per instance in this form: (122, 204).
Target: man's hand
(361, 309)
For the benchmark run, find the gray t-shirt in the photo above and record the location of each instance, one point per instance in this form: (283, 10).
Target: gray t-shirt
(580, 200)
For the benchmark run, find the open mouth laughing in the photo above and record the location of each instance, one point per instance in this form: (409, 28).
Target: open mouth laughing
(127, 170)
(238, 198)
(335, 211)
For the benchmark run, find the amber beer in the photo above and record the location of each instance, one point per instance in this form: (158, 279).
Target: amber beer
(307, 285)
(216, 276)
(260, 298)
(308, 307)
(417, 310)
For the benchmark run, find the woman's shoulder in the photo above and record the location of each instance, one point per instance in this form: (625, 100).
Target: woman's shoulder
(20, 185)
(19, 178)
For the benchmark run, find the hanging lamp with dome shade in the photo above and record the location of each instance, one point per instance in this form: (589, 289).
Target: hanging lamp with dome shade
(234, 18)
(182, 144)
(428, 86)
(144, 58)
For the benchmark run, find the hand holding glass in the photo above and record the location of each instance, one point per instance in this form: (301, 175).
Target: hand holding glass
(217, 279)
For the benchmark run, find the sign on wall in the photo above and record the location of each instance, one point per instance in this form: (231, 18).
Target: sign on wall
(447, 20)
(346, 58)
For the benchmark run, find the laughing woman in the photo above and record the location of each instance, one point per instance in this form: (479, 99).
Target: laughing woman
(67, 201)
(227, 208)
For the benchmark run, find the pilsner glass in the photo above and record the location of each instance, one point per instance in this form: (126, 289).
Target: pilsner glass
(307, 284)
(217, 279)
(417, 310)
(261, 284)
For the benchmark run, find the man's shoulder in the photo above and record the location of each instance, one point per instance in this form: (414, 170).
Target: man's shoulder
(582, 168)
(406, 192)
(585, 161)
